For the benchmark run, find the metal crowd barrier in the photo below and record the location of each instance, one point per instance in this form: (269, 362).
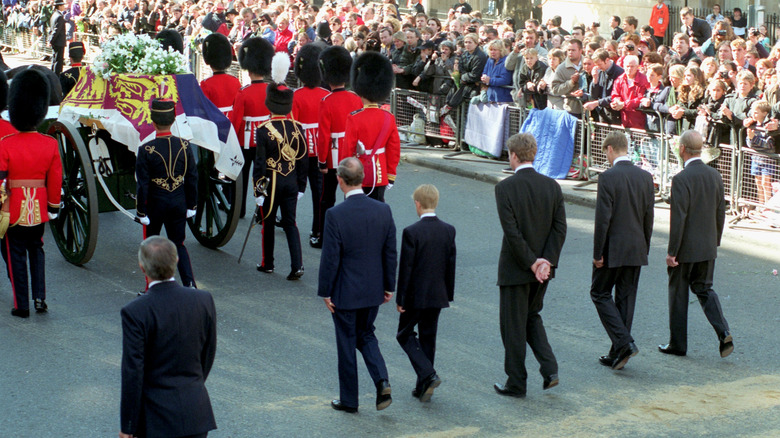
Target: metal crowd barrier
(406, 104)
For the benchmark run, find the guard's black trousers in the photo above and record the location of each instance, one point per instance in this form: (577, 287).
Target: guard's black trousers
(20, 244)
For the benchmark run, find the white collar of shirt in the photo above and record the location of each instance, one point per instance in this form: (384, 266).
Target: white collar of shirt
(621, 158)
(160, 281)
(523, 166)
(353, 192)
(424, 215)
(690, 160)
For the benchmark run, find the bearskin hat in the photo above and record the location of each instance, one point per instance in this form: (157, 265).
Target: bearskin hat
(278, 99)
(55, 88)
(335, 62)
(163, 112)
(3, 91)
(217, 52)
(372, 77)
(255, 56)
(170, 38)
(28, 99)
(307, 66)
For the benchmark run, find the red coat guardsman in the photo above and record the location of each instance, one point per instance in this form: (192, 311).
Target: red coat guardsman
(221, 88)
(334, 109)
(371, 132)
(249, 110)
(306, 111)
(31, 171)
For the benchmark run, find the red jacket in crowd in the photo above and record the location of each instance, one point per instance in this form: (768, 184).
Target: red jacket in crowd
(631, 94)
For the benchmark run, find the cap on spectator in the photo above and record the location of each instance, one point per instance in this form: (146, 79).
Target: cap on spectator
(163, 112)
(307, 67)
(255, 56)
(323, 30)
(28, 99)
(76, 50)
(170, 38)
(400, 36)
(231, 12)
(278, 99)
(335, 62)
(217, 52)
(372, 76)
(220, 7)
(428, 45)
(59, 3)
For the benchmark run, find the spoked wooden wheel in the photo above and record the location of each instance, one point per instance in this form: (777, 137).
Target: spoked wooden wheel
(75, 230)
(219, 203)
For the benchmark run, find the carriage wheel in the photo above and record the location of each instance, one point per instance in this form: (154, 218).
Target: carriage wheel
(75, 230)
(219, 204)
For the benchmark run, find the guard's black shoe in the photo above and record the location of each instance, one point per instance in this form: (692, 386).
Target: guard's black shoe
(503, 390)
(295, 275)
(21, 313)
(426, 390)
(550, 381)
(668, 349)
(40, 306)
(262, 268)
(336, 404)
(606, 360)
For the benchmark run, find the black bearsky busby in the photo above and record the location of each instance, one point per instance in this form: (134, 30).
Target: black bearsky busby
(217, 52)
(3, 91)
(170, 38)
(372, 77)
(255, 56)
(163, 112)
(28, 99)
(335, 62)
(307, 66)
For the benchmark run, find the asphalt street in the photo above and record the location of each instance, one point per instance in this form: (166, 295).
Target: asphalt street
(275, 370)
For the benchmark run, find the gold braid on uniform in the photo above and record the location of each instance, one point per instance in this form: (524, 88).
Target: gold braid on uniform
(176, 181)
(285, 149)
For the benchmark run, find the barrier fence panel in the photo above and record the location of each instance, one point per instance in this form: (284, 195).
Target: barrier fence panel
(415, 109)
(758, 170)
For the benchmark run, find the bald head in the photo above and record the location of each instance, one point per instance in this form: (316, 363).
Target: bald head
(693, 142)
(350, 172)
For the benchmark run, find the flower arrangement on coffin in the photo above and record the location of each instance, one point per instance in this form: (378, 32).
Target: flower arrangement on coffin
(138, 54)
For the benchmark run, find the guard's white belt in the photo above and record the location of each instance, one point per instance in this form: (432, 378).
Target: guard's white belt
(225, 109)
(337, 134)
(378, 151)
(309, 125)
(257, 119)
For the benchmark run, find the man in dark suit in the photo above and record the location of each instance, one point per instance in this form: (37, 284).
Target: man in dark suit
(532, 215)
(357, 275)
(168, 346)
(621, 242)
(698, 30)
(57, 39)
(698, 213)
(426, 284)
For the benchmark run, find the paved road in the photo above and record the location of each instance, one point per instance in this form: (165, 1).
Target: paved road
(275, 370)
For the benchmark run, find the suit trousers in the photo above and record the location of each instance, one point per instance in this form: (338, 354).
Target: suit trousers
(616, 314)
(698, 277)
(421, 350)
(328, 196)
(175, 228)
(355, 331)
(315, 186)
(520, 324)
(285, 198)
(57, 59)
(377, 193)
(20, 244)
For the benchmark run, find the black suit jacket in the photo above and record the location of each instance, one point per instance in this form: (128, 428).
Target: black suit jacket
(700, 31)
(358, 262)
(532, 215)
(698, 213)
(426, 272)
(57, 32)
(168, 346)
(624, 216)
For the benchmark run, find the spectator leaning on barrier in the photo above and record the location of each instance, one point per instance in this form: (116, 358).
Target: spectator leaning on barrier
(735, 108)
(567, 78)
(628, 91)
(495, 75)
(556, 58)
(527, 79)
(600, 94)
(761, 166)
(655, 96)
(689, 97)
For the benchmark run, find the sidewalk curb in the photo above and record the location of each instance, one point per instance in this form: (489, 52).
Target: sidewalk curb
(454, 167)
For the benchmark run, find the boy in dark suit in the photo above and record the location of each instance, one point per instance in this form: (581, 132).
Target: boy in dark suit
(426, 284)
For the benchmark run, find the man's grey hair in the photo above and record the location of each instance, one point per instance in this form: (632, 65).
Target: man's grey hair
(351, 171)
(158, 257)
(692, 141)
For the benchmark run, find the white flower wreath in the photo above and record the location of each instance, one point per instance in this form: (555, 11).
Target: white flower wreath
(138, 54)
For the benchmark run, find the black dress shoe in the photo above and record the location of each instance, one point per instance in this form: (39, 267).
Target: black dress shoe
(315, 241)
(21, 313)
(606, 360)
(429, 384)
(502, 389)
(40, 306)
(383, 397)
(262, 268)
(668, 349)
(416, 393)
(726, 344)
(625, 353)
(295, 275)
(336, 404)
(550, 381)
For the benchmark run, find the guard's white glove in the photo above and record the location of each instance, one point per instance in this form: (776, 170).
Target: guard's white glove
(300, 195)
(191, 213)
(144, 220)
(389, 186)
(259, 201)
(52, 216)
